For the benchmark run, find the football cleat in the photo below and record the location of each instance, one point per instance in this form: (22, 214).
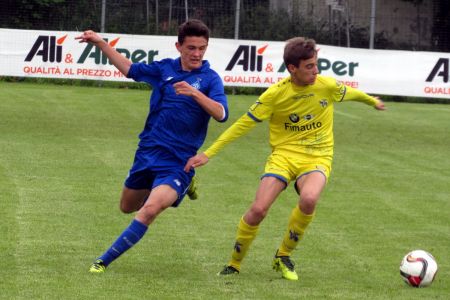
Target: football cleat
(192, 189)
(286, 266)
(228, 270)
(97, 267)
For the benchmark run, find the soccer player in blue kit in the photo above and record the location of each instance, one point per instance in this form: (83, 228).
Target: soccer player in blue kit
(186, 94)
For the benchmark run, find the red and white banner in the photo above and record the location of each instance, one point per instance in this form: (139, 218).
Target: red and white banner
(56, 54)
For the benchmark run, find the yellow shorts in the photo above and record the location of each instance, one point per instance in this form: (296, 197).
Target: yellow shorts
(288, 166)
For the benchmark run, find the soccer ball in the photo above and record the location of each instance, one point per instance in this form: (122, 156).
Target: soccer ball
(418, 268)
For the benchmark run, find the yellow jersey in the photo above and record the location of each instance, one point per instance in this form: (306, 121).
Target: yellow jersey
(300, 117)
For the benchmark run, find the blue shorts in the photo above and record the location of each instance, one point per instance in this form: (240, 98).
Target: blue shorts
(155, 167)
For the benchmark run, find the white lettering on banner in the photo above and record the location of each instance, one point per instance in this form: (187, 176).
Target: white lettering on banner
(244, 63)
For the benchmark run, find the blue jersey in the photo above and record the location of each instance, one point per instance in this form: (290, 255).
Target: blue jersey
(176, 123)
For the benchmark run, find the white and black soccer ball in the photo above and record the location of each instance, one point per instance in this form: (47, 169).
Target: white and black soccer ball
(418, 268)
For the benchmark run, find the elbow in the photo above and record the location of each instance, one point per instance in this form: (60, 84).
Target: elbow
(223, 120)
(224, 115)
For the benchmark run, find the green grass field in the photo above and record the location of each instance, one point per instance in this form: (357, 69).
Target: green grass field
(65, 151)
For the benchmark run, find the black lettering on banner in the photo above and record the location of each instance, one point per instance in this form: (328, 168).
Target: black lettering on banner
(442, 63)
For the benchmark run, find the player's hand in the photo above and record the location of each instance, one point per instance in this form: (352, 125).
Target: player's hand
(89, 36)
(380, 104)
(196, 161)
(184, 88)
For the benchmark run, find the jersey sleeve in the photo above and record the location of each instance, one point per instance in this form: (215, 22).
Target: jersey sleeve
(241, 127)
(141, 72)
(353, 94)
(341, 92)
(263, 107)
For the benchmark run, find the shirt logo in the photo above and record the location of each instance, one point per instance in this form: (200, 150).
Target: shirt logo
(197, 83)
(294, 118)
(323, 103)
(300, 97)
(301, 128)
(308, 117)
(169, 78)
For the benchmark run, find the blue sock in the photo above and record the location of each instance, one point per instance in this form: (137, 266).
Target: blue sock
(130, 236)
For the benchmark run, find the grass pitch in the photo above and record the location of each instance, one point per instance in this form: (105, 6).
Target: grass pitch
(65, 151)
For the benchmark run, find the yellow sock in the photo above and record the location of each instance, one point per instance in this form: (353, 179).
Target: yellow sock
(298, 221)
(244, 237)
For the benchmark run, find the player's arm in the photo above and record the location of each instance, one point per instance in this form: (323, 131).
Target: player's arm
(117, 59)
(213, 108)
(241, 127)
(352, 94)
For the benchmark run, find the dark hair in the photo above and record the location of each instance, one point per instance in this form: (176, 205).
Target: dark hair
(297, 49)
(192, 27)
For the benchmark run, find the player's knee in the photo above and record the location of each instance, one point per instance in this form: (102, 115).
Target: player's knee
(148, 213)
(126, 208)
(308, 200)
(258, 213)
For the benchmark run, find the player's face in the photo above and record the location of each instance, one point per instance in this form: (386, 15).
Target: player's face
(305, 73)
(192, 51)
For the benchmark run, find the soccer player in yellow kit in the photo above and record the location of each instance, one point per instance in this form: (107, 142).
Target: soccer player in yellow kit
(300, 113)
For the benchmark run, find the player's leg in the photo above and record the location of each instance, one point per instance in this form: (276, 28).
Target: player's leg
(268, 191)
(139, 181)
(160, 198)
(134, 194)
(132, 200)
(310, 186)
(168, 187)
